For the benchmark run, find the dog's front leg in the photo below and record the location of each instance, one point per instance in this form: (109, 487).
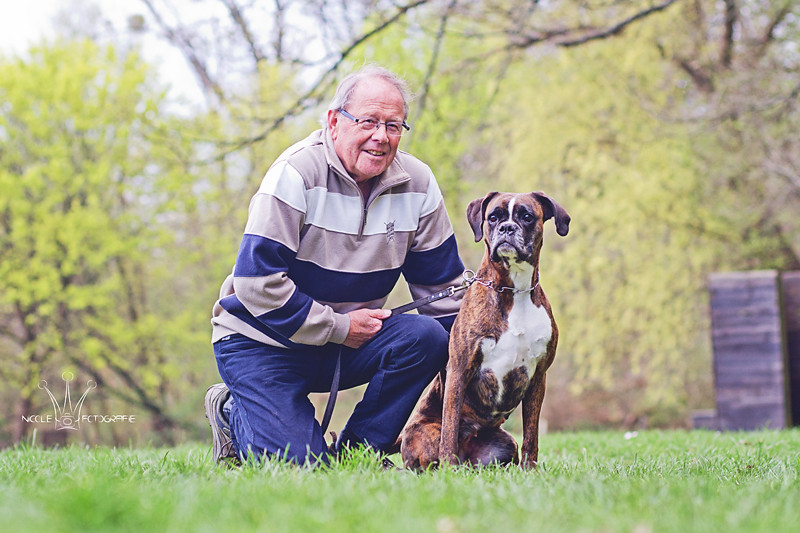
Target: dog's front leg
(531, 409)
(455, 383)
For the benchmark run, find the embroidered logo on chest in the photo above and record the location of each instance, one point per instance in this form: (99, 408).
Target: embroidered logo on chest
(389, 231)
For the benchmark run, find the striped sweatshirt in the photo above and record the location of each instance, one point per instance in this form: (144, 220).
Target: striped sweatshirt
(314, 248)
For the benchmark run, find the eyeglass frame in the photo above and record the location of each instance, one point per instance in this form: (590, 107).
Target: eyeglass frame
(360, 120)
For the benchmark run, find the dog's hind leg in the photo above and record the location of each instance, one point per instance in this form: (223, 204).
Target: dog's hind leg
(420, 445)
(489, 445)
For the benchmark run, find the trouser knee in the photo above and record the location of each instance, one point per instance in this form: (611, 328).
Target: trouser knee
(425, 341)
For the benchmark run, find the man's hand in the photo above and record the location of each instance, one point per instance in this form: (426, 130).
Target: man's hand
(364, 324)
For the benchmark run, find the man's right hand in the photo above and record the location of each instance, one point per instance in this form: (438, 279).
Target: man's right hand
(364, 324)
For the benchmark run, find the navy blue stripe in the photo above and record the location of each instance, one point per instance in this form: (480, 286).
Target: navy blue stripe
(288, 318)
(334, 287)
(260, 256)
(234, 306)
(434, 267)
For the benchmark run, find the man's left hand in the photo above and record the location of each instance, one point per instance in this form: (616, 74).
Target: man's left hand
(364, 324)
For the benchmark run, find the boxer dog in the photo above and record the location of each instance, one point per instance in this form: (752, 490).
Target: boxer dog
(501, 345)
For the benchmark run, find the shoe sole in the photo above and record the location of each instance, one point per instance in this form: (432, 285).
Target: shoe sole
(220, 440)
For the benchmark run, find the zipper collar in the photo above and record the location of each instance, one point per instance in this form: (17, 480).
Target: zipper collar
(391, 177)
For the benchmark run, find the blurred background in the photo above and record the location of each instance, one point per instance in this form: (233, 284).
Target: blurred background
(133, 134)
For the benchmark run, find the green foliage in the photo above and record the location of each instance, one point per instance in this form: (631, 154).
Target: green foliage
(84, 224)
(650, 481)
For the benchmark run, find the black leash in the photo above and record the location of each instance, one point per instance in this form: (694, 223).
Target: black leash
(326, 418)
(449, 291)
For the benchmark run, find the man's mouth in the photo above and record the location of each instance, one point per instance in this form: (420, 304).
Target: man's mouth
(376, 153)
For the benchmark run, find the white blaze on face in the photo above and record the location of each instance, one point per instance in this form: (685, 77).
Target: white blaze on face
(523, 344)
(505, 250)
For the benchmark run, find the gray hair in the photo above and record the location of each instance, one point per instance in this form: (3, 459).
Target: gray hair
(348, 85)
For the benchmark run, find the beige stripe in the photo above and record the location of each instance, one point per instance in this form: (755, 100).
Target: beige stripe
(433, 230)
(263, 293)
(343, 253)
(269, 217)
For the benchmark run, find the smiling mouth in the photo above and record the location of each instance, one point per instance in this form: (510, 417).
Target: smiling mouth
(376, 153)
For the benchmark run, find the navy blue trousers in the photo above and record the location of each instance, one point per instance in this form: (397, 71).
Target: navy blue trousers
(270, 409)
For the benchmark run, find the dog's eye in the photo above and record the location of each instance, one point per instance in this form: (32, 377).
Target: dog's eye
(492, 218)
(527, 218)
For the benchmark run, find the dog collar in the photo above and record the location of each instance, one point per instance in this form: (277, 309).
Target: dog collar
(471, 277)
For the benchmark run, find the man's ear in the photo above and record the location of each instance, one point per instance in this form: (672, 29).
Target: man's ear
(333, 120)
(476, 211)
(551, 209)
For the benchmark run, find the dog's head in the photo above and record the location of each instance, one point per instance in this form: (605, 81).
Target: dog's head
(514, 223)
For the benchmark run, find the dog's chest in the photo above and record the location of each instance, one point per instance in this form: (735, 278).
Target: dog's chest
(521, 345)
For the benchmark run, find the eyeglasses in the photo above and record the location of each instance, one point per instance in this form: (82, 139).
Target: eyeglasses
(393, 129)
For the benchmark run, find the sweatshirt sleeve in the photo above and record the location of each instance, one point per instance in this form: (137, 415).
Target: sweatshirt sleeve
(433, 262)
(263, 294)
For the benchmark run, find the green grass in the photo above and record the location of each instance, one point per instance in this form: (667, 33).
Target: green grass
(657, 481)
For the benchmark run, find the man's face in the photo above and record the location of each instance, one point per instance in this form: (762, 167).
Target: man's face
(365, 154)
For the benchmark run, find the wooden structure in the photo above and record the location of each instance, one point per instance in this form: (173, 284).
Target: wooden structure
(790, 292)
(755, 330)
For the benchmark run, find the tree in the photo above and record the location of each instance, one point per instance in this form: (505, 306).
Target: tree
(314, 39)
(738, 63)
(84, 217)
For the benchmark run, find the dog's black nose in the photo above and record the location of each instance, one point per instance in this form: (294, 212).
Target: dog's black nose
(507, 228)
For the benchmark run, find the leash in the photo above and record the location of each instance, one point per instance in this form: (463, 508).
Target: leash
(449, 291)
(469, 278)
(337, 373)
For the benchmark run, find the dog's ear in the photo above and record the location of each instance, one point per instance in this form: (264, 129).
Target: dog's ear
(476, 210)
(553, 210)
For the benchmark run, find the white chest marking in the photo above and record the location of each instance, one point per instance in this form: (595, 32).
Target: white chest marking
(523, 344)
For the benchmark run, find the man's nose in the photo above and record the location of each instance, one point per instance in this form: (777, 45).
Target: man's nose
(380, 133)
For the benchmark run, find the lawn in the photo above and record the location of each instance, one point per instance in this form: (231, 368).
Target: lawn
(605, 481)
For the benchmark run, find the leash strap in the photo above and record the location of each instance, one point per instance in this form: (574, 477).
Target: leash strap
(326, 418)
(449, 291)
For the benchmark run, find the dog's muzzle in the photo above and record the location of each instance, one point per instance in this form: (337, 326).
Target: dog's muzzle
(508, 242)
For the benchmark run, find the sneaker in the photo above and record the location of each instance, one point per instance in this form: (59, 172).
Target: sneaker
(220, 430)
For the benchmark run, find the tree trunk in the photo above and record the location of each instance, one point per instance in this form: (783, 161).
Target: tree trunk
(19, 428)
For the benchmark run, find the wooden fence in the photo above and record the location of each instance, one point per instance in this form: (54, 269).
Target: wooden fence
(755, 331)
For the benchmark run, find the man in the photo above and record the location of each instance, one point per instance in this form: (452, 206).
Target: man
(338, 217)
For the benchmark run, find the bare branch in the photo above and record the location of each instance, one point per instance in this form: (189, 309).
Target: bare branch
(726, 48)
(564, 37)
(187, 49)
(434, 58)
(238, 19)
(313, 96)
(701, 80)
(616, 28)
(769, 32)
(280, 10)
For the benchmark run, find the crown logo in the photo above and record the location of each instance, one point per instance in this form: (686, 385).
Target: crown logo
(67, 416)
